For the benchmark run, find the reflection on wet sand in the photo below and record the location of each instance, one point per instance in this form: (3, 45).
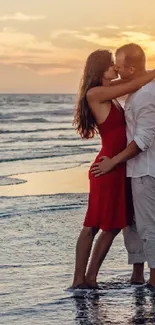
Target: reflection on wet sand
(108, 306)
(90, 311)
(144, 306)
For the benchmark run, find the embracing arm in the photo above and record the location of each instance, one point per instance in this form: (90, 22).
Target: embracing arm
(144, 134)
(107, 164)
(129, 152)
(103, 94)
(143, 137)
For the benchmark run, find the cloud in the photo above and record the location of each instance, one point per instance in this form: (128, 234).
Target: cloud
(63, 32)
(108, 36)
(21, 17)
(112, 27)
(85, 39)
(41, 57)
(101, 28)
(136, 36)
(131, 26)
(65, 51)
(48, 69)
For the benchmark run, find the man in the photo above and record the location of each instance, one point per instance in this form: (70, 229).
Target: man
(140, 157)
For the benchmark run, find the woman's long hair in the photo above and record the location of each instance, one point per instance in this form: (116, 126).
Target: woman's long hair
(97, 63)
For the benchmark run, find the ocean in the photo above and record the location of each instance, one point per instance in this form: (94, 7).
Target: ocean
(39, 233)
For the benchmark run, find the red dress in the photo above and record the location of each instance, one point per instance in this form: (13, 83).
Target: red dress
(108, 199)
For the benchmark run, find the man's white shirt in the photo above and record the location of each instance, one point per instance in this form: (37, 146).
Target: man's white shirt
(140, 120)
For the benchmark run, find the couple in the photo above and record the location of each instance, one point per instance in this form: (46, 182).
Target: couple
(130, 138)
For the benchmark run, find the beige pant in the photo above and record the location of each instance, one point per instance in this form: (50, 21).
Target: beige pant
(140, 237)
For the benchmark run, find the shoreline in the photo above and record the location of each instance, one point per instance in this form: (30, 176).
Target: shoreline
(72, 180)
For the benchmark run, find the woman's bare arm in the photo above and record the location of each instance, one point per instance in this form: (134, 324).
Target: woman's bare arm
(103, 94)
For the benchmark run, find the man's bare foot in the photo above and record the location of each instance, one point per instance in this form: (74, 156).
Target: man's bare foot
(138, 274)
(150, 286)
(133, 282)
(137, 280)
(151, 281)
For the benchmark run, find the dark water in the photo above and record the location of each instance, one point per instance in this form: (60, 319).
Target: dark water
(39, 233)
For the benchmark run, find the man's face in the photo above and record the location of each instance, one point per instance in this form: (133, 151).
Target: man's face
(124, 71)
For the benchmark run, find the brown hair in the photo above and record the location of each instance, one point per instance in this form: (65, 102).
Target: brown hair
(97, 63)
(134, 55)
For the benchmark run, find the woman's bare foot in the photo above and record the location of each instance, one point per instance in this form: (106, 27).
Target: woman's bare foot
(92, 284)
(79, 286)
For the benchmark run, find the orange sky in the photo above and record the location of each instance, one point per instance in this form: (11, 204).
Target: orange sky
(43, 44)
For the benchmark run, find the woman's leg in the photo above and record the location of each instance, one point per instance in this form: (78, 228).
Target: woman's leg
(100, 251)
(83, 249)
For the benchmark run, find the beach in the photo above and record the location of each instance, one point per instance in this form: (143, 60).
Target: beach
(43, 193)
(74, 180)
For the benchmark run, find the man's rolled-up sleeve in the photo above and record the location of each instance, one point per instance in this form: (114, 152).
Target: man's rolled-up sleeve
(145, 121)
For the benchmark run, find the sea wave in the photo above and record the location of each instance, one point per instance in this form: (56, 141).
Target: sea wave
(35, 130)
(33, 120)
(40, 134)
(67, 151)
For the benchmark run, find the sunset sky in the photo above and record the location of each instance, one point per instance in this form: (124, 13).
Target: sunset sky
(44, 43)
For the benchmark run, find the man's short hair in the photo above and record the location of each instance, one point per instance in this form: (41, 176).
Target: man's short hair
(134, 55)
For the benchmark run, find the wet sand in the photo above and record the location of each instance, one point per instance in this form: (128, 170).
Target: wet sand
(74, 180)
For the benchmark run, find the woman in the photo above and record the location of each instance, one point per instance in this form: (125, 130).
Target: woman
(107, 204)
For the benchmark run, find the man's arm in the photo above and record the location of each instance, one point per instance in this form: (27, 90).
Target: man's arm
(144, 131)
(107, 164)
(129, 152)
(143, 137)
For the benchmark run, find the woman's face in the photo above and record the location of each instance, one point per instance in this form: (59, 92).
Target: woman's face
(111, 73)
